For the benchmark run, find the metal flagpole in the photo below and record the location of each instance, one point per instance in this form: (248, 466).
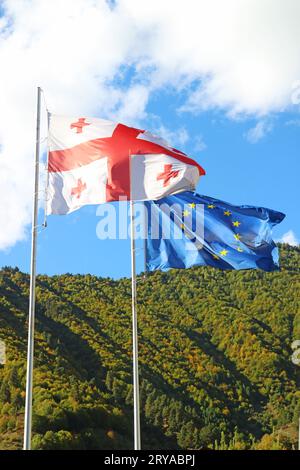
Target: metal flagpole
(145, 239)
(135, 357)
(30, 348)
(136, 391)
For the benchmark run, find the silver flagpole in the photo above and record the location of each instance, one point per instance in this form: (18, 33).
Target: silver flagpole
(145, 239)
(136, 391)
(135, 355)
(30, 348)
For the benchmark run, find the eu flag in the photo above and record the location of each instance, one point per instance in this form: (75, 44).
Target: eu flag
(187, 230)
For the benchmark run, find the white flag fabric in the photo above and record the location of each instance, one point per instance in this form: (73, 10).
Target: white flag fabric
(93, 161)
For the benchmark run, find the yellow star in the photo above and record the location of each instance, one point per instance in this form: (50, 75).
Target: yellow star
(223, 252)
(211, 206)
(192, 205)
(216, 256)
(227, 213)
(185, 213)
(237, 236)
(240, 249)
(236, 223)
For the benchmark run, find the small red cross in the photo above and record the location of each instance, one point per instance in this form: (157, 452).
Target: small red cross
(167, 174)
(78, 189)
(79, 125)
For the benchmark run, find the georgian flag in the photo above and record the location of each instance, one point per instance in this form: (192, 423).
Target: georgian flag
(93, 161)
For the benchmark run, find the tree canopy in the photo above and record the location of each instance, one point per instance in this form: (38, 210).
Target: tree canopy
(214, 350)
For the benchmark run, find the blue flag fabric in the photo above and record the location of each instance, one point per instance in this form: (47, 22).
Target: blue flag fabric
(224, 236)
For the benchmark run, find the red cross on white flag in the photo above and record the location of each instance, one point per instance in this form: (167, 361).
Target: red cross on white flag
(102, 161)
(167, 174)
(78, 189)
(79, 125)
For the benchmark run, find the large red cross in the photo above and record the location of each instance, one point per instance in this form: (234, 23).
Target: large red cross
(118, 148)
(79, 125)
(167, 174)
(78, 189)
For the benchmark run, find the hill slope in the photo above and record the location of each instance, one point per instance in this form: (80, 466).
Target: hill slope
(215, 359)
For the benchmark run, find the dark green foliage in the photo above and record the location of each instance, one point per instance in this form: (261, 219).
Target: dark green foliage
(215, 359)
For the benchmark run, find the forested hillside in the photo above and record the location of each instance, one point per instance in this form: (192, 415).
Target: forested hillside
(215, 359)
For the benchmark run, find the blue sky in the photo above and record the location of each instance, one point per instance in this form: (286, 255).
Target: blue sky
(222, 99)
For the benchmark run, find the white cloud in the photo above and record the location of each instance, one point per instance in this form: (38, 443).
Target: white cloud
(293, 122)
(289, 238)
(72, 49)
(259, 131)
(296, 92)
(199, 145)
(240, 57)
(177, 137)
(245, 53)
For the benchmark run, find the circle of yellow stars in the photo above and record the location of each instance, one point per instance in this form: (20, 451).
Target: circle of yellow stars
(237, 236)
(227, 213)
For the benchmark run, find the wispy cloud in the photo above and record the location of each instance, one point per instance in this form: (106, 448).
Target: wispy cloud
(289, 238)
(199, 144)
(259, 131)
(293, 122)
(177, 137)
